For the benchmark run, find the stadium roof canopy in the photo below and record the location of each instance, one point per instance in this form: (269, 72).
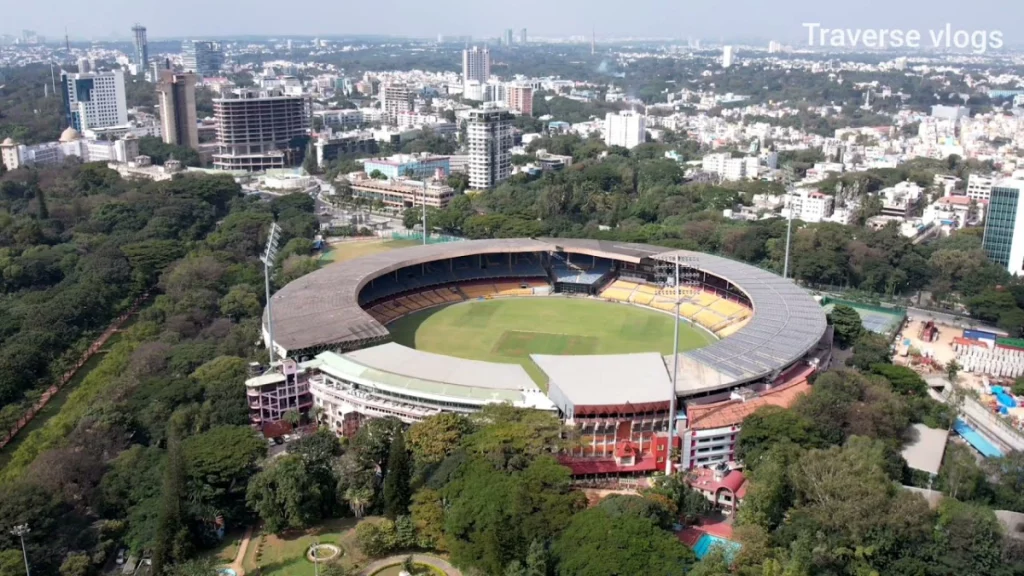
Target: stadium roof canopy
(403, 369)
(613, 382)
(321, 310)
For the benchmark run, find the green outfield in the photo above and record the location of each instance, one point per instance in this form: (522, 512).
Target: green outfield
(509, 330)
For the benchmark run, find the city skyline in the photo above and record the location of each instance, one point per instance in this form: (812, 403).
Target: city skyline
(755, 20)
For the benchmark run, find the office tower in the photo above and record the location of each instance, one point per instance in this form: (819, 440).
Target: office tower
(774, 47)
(202, 57)
(94, 99)
(519, 98)
(1003, 240)
(141, 59)
(84, 65)
(522, 36)
(626, 129)
(489, 135)
(260, 129)
(395, 98)
(177, 95)
(727, 56)
(476, 64)
(508, 37)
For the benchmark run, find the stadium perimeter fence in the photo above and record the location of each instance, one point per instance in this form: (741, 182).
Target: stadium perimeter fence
(431, 239)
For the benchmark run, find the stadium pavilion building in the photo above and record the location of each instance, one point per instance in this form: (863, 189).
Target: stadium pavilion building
(771, 335)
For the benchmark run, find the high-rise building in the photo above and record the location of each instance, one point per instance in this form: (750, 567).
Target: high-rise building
(522, 36)
(177, 94)
(774, 47)
(519, 98)
(626, 129)
(202, 57)
(489, 135)
(508, 37)
(84, 65)
(94, 99)
(260, 129)
(476, 64)
(1003, 241)
(158, 66)
(395, 98)
(141, 58)
(727, 56)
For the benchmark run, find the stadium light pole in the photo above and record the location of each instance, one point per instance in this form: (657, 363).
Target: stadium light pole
(424, 211)
(676, 260)
(788, 180)
(20, 531)
(268, 264)
(675, 377)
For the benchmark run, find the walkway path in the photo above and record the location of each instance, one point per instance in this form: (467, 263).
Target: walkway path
(240, 557)
(417, 558)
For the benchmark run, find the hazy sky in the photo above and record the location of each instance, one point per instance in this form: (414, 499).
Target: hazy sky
(709, 19)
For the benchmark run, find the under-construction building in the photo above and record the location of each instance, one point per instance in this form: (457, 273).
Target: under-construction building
(259, 130)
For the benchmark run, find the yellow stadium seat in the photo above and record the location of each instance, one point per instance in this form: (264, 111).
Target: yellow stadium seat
(647, 289)
(642, 299)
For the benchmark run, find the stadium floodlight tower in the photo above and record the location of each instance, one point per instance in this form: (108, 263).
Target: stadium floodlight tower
(20, 531)
(788, 178)
(268, 258)
(675, 270)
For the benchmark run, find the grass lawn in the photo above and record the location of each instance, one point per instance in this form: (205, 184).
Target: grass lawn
(344, 251)
(228, 549)
(509, 330)
(285, 554)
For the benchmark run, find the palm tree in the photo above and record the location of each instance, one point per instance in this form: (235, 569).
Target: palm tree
(292, 417)
(358, 499)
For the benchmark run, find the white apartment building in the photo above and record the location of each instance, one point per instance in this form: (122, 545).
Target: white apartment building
(979, 187)
(728, 168)
(489, 136)
(811, 206)
(476, 64)
(395, 98)
(627, 129)
(901, 199)
(94, 99)
(727, 56)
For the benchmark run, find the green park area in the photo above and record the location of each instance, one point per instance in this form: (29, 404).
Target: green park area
(509, 330)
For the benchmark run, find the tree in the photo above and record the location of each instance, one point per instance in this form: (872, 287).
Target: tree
(494, 514)
(869, 349)
(847, 324)
(285, 495)
(292, 417)
(968, 539)
(436, 437)
(220, 464)
(194, 567)
(172, 537)
(1018, 386)
(427, 510)
(767, 426)
(397, 493)
(960, 476)
(597, 544)
(377, 539)
(904, 381)
(77, 564)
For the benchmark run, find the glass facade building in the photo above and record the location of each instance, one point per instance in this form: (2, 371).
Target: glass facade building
(1003, 241)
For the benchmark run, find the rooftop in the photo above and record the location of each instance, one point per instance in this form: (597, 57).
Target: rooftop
(925, 447)
(397, 367)
(606, 380)
(732, 412)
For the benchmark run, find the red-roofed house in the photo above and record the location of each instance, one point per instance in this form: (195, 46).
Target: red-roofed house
(724, 488)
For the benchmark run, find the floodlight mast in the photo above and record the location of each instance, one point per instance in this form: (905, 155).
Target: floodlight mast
(20, 531)
(787, 178)
(268, 257)
(676, 260)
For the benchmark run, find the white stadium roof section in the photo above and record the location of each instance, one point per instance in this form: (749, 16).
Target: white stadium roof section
(423, 374)
(605, 380)
(405, 361)
(321, 310)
